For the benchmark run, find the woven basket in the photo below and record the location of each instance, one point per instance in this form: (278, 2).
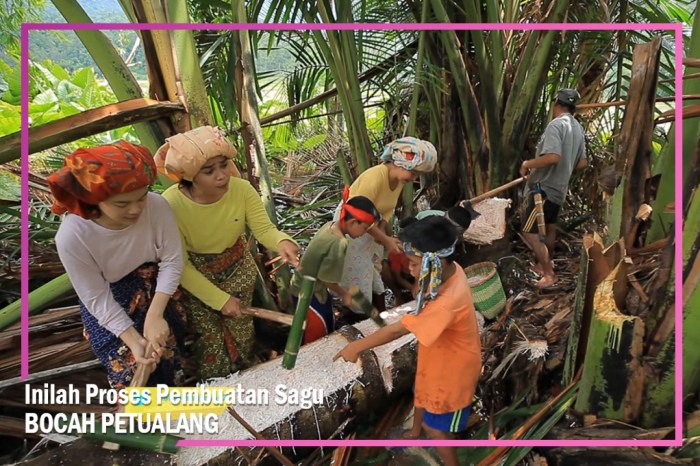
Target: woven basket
(487, 290)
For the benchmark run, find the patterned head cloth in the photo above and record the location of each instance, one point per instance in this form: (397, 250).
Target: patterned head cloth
(183, 155)
(92, 175)
(411, 154)
(430, 277)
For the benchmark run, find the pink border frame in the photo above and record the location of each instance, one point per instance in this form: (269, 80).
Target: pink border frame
(678, 220)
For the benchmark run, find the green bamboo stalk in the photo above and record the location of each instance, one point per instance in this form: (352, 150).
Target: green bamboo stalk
(113, 68)
(190, 73)
(159, 443)
(296, 332)
(37, 300)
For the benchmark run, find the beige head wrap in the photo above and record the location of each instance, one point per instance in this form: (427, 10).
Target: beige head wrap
(183, 155)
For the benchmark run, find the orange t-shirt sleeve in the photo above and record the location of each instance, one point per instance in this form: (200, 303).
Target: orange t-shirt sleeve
(428, 325)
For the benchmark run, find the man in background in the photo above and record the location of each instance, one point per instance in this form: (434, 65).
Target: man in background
(560, 151)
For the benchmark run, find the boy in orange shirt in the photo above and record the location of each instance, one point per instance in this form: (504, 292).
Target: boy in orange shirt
(449, 347)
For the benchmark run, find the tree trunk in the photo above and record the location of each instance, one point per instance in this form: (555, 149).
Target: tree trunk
(633, 160)
(596, 264)
(612, 384)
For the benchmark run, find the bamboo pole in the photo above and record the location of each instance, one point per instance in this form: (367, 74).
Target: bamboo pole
(494, 191)
(159, 443)
(296, 333)
(37, 299)
(272, 316)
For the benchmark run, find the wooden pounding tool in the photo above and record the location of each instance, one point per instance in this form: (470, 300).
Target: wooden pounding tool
(494, 191)
(365, 306)
(144, 371)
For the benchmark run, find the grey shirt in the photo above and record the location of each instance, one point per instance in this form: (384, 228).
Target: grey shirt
(563, 136)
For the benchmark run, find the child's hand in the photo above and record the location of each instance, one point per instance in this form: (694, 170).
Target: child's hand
(349, 353)
(393, 245)
(347, 299)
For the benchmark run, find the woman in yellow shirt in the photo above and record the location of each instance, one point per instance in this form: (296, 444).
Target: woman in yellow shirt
(212, 210)
(403, 161)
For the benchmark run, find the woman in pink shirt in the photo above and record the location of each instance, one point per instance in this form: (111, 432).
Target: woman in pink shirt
(120, 246)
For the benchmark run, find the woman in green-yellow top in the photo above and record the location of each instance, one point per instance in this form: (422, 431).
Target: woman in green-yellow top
(403, 160)
(212, 209)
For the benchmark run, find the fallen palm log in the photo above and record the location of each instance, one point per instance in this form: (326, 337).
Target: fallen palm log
(314, 401)
(333, 391)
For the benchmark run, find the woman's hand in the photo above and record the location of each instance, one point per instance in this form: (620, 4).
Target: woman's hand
(156, 330)
(137, 345)
(349, 353)
(289, 252)
(232, 308)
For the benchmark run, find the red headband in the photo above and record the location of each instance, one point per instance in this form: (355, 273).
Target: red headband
(358, 214)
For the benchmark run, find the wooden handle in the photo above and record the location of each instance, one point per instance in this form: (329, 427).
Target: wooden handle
(365, 306)
(497, 190)
(273, 316)
(143, 371)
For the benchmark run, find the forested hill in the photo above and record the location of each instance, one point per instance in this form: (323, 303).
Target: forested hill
(65, 49)
(101, 11)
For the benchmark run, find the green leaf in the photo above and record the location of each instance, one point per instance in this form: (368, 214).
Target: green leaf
(10, 188)
(314, 141)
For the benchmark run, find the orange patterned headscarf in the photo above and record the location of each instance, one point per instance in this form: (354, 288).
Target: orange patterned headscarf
(92, 175)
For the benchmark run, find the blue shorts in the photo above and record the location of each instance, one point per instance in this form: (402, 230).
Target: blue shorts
(456, 421)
